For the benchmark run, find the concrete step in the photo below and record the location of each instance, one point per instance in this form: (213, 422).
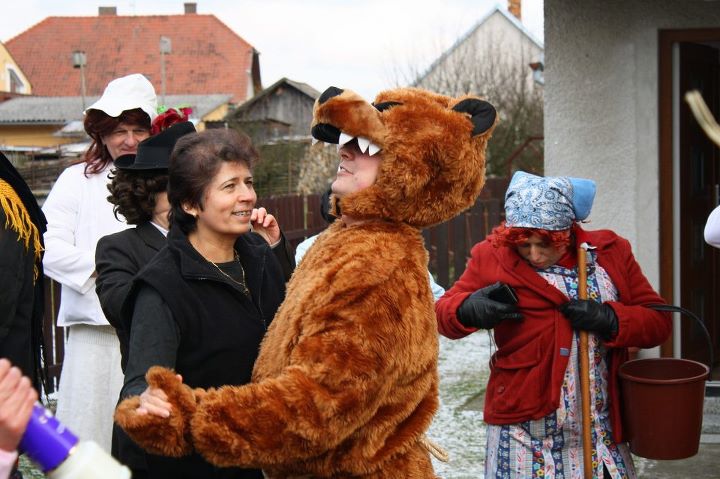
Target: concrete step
(711, 419)
(712, 405)
(711, 424)
(704, 465)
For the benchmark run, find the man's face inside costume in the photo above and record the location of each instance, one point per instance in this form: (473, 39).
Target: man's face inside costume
(356, 171)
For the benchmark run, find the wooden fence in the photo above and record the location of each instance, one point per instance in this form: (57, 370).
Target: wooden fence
(54, 336)
(449, 246)
(41, 175)
(449, 243)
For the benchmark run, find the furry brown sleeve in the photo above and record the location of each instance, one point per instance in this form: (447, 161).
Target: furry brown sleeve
(158, 435)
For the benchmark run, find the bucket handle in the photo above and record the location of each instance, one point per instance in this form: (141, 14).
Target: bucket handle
(677, 309)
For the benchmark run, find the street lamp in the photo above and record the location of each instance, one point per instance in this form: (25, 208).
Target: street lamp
(165, 48)
(79, 61)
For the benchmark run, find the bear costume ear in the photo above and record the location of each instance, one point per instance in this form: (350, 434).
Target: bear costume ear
(329, 93)
(386, 105)
(482, 114)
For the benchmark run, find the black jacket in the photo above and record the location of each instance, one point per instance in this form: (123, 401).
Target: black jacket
(188, 316)
(17, 300)
(22, 300)
(118, 258)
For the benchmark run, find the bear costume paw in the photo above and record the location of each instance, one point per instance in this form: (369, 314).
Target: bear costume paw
(169, 436)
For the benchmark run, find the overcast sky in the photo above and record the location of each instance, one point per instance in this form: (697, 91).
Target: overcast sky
(364, 45)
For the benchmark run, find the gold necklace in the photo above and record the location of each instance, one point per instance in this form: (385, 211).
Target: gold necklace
(242, 284)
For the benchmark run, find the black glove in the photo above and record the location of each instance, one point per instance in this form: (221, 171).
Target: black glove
(589, 315)
(479, 311)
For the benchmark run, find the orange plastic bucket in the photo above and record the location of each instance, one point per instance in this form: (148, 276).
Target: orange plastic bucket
(663, 406)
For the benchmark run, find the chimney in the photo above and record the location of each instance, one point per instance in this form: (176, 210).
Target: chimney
(109, 11)
(190, 7)
(515, 8)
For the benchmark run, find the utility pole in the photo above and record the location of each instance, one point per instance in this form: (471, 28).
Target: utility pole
(165, 48)
(79, 61)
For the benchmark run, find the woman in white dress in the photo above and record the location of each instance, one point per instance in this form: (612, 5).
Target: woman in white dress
(78, 215)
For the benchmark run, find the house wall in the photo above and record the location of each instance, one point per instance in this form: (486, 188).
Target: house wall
(31, 135)
(601, 106)
(286, 105)
(7, 63)
(218, 114)
(496, 47)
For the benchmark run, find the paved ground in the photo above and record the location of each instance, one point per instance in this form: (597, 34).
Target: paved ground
(705, 465)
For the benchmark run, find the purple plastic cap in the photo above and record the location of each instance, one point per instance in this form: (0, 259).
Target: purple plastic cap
(46, 440)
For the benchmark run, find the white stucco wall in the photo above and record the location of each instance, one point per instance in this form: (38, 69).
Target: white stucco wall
(601, 106)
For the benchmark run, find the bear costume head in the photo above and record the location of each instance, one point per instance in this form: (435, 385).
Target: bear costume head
(432, 147)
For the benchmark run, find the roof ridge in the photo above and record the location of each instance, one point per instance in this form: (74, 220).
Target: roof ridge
(471, 31)
(136, 16)
(24, 31)
(113, 17)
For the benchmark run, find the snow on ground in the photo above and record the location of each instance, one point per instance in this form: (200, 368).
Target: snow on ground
(459, 429)
(463, 367)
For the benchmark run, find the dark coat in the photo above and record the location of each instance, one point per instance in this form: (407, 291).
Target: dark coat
(17, 300)
(528, 368)
(22, 302)
(118, 258)
(211, 330)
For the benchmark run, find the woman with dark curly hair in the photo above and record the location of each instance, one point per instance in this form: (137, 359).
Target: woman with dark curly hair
(135, 194)
(138, 192)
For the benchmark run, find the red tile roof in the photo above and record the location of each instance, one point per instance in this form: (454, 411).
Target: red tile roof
(207, 56)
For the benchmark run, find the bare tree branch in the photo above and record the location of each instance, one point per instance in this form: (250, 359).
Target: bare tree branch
(496, 68)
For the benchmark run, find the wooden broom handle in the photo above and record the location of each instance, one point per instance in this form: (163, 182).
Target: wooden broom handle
(585, 372)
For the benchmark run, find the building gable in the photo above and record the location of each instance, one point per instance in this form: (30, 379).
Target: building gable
(497, 37)
(284, 108)
(12, 79)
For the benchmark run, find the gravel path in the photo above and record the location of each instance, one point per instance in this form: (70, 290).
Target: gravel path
(458, 426)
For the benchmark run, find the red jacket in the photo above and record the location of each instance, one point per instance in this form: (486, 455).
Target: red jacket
(527, 370)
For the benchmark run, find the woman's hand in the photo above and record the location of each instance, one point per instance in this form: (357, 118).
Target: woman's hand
(589, 315)
(479, 311)
(158, 420)
(17, 398)
(155, 401)
(265, 225)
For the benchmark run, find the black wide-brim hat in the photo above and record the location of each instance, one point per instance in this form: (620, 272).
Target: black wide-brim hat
(154, 153)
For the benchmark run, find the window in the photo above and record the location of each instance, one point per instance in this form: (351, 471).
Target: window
(16, 85)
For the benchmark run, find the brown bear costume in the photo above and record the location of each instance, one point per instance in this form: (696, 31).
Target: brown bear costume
(346, 382)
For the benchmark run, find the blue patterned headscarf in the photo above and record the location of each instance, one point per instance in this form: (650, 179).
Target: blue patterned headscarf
(551, 203)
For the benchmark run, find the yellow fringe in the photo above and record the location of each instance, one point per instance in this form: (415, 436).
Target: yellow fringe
(18, 219)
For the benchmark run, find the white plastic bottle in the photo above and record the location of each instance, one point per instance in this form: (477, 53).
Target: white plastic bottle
(61, 455)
